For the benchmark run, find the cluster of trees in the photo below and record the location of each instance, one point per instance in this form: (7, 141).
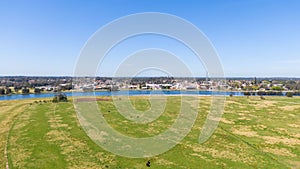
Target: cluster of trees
(31, 82)
(6, 91)
(272, 93)
(277, 84)
(292, 85)
(25, 90)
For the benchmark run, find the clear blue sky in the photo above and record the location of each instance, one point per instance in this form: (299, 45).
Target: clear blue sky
(253, 37)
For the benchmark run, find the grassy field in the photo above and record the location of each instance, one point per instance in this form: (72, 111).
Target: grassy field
(253, 133)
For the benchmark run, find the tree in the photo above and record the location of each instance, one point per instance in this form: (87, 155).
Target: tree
(297, 86)
(278, 88)
(264, 86)
(16, 89)
(25, 91)
(247, 93)
(60, 97)
(254, 87)
(7, 90)
(290, 84)
(2, 91)
(67, 87)
(37, 90)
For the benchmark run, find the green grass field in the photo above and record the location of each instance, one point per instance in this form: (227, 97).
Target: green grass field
(253, 133)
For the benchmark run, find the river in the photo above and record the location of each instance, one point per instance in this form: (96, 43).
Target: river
(120, 93)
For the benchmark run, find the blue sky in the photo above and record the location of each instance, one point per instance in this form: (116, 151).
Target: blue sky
(252, 37)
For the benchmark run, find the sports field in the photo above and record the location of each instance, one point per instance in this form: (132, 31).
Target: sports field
(253, 133)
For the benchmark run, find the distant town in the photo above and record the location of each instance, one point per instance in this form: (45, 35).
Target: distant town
(262, 86)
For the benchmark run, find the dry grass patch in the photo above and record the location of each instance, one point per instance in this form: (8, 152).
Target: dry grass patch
(283, 140)
(295, 164)
(245, 131)
(244, 118)
(20, 153)
(265, 104)
(163, 162)
(294, 125)
(223, 120)
(225, 153)
(261, 127)
(279, 151)
(290, 107)
(7, 115)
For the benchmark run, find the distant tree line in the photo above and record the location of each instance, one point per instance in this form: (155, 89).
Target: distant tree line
(292, 85)
(272, 93)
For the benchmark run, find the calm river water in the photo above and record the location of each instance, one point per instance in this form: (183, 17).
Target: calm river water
(120, 93)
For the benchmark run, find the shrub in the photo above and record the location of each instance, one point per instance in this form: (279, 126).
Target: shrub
(60, 97)
(261, 93)
(289, 94)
